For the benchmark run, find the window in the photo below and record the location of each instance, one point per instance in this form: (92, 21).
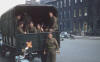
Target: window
(57, 4)
(75, 1)
(64, 13)
(74, 13)
(61, 15)
(61, 4)
(65, 3)
(69, 2)
(85, 11)
(80, 12)
(64, 25)
(81, 0)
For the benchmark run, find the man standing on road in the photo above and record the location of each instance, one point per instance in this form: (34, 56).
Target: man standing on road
(52, 45)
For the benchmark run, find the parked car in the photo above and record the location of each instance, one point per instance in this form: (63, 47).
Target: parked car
(64, 35)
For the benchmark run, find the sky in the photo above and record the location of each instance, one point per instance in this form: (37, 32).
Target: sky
(7, 4)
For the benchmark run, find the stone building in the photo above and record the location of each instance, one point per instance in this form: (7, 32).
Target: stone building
(78, 16)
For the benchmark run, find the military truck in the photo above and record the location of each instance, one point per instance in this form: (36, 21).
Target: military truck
(14, 43)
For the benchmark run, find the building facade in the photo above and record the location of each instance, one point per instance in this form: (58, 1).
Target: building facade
(30, 1)
(77, 16)
(94, 17)
(46, 1)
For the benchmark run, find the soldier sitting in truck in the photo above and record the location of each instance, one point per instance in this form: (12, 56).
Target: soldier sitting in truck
(39, 28)
(18, 18)
(20, 28)
(31, 28)
(53, 22)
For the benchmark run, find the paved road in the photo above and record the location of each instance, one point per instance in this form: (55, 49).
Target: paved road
(78, 50)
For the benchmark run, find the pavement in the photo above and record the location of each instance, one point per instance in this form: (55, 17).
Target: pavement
(87, 37)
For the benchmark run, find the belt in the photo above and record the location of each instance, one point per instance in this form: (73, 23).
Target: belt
(51, 47)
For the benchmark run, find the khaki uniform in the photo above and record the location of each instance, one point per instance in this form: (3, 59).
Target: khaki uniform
(39, 31)
(52, 45)
(54, 23)
(20, 30)
(32, 30)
